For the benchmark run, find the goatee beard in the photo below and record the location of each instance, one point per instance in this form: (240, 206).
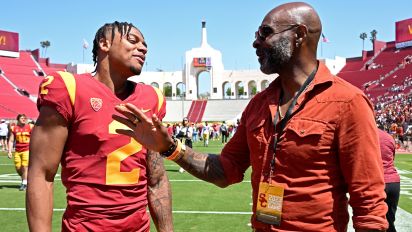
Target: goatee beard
(280, 54)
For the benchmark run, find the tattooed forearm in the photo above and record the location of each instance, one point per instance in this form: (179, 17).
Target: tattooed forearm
(159, 193)
(160, 206)
(155, 167)
(154, 159)
(204, 166)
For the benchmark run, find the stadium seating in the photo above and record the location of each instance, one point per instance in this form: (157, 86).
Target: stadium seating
(19, 83)
(215, 111)
(381, 75)
(22, 71)
(12, 103)
(197, 110)
(222, 110)
(392, 56)
(49, 68)
(353, 64)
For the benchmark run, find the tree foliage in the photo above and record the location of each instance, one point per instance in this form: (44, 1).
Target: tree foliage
(373, 35)
(45, 44)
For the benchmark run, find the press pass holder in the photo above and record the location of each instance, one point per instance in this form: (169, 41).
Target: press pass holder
(269, 205)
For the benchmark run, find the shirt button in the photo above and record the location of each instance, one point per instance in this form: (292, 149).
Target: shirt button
(302, 132)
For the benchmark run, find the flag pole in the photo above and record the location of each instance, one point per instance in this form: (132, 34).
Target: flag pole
(85, 46)
(321, 49)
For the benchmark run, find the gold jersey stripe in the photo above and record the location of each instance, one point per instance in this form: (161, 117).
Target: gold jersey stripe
(70, 83)
(159, 97)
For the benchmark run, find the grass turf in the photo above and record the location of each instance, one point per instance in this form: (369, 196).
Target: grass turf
(196, 204)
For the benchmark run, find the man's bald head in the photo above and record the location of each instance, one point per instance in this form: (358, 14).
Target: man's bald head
(299, 13)
(288, 37)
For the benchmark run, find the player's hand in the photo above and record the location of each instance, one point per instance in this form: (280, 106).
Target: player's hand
(9, 154)
(147, 131)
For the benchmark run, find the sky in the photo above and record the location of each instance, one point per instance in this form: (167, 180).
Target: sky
(173, 27)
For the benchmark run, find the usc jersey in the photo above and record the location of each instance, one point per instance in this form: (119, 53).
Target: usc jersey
(104, 172)
(22, 136)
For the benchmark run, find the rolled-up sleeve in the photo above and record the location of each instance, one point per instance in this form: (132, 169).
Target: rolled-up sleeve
(235, 157)
(361, 163)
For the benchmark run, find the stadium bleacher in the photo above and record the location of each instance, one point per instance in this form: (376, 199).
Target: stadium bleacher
(196, 111)
(19, 83)
(12, 103)
(380, 74)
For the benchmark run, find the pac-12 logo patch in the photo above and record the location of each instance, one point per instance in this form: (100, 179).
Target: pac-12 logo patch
(96, 103)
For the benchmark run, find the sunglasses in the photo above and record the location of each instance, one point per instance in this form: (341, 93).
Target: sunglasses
(265, 31)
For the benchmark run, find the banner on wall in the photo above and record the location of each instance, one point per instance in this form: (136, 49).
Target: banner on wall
(9, 43)
(404, 33)
(202, 62)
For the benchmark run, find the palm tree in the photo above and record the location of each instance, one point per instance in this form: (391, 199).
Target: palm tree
(45, 44)
(363, 36)
(373, 35)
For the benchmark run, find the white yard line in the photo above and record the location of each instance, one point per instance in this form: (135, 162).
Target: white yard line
(17, 180)
(176, 211)
(403, 221)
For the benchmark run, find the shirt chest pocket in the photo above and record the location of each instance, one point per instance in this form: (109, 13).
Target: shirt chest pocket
(303, 134)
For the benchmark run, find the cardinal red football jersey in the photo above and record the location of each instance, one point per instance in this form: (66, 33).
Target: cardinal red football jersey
(104, 172)
(22, 136)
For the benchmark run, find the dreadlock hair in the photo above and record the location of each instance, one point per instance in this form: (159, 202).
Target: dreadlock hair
(122, 27)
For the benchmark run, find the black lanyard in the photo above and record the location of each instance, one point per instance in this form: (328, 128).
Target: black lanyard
(288, 114)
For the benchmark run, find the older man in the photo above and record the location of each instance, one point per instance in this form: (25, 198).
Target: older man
(310, 138)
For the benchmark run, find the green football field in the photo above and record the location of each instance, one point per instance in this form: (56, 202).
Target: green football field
(197, 206)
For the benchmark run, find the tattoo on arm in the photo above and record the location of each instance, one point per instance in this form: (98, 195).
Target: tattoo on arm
(159, 193)
(155, 168)
(204, 166)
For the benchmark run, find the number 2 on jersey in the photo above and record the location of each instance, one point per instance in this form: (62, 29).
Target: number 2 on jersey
(113, 174)
(49, 80)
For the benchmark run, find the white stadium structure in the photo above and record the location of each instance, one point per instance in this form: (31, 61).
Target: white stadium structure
(229, 93)
(222, 96)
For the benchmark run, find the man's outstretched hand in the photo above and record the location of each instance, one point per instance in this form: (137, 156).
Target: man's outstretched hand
(148, 132)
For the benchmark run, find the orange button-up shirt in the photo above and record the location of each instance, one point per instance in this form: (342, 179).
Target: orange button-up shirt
(328, 148)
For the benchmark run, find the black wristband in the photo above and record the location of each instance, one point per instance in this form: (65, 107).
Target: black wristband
(171, 149)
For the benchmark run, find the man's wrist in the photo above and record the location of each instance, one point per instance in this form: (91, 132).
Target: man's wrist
(175, 152)
(171, 148)
(178, 153)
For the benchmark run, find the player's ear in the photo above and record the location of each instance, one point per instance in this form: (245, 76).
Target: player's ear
(104, 44)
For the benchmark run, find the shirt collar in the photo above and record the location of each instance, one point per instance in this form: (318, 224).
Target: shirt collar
(322, 76)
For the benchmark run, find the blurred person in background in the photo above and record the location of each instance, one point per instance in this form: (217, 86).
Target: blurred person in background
(391, 176)
(4, 131)
(20, 134)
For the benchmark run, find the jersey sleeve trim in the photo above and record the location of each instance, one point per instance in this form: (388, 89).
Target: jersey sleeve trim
(70, 83)
(160, 98)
